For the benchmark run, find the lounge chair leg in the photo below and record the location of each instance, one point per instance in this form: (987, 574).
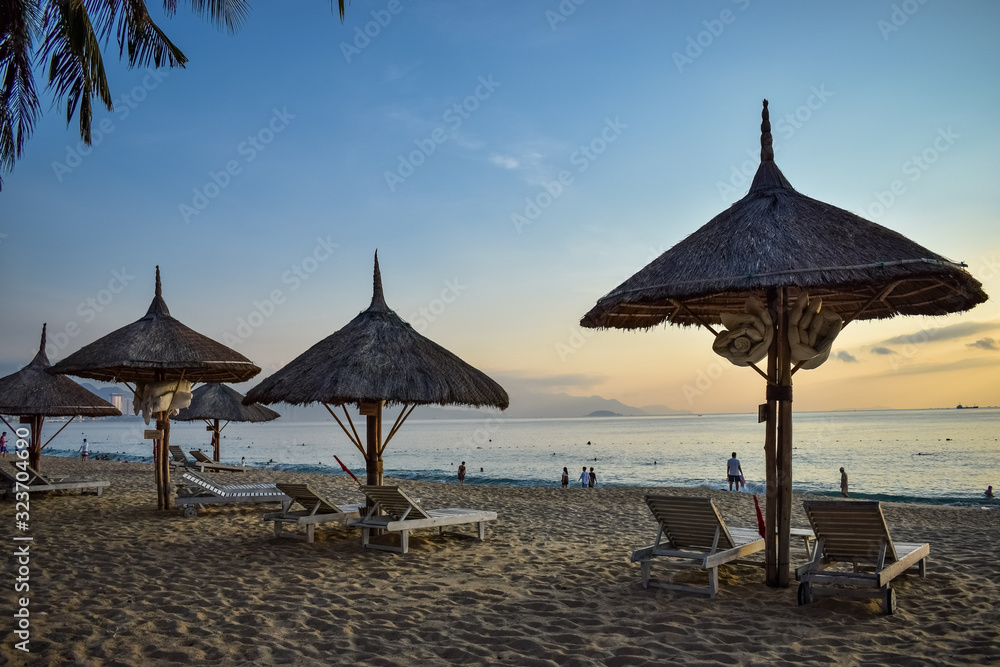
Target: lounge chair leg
(277, 529)
(365, 535)
(404, 541)
(922, 566)
(310, 532)
(713, 581)
(889, 601)
(645, 573)
(482, 531)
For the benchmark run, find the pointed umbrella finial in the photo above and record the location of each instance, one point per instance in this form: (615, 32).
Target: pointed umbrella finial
(766, 150)
(158, 306)
(41, 348)
(41, 358)
(378, 298)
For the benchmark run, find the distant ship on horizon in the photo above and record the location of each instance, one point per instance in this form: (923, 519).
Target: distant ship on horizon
(966, 407)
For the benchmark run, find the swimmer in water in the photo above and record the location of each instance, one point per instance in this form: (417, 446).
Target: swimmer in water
(988, 492)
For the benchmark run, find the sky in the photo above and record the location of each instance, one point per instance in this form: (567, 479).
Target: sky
(512, 163)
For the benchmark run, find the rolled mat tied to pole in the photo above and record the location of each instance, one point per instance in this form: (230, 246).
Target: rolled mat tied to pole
(761, 528)
(346, 469)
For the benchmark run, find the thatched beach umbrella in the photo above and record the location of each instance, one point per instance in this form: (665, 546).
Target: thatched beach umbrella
(216, 402)
(34, 393)
(377, 358)
(778, 246)
(157, 348)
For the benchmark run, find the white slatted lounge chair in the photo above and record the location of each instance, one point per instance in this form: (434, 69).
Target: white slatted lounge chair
(14, 480)
(199, 490)
(403, 514)
(202, 463)
(855, 533)
(691, 529)
(317, 509)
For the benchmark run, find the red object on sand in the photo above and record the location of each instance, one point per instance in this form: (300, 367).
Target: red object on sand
(760, 518)
(356, 479)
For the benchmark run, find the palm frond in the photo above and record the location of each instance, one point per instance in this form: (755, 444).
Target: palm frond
(76, 68)
(19, 21)
(228, 13)
(146, 43)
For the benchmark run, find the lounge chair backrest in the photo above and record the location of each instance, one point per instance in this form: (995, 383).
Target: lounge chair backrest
(394, 502)
(203, 482)
(36, 477)
(200, 456)
(306, 496)
(178, 454)
(7, 477)
(850, 530)
(690, 523)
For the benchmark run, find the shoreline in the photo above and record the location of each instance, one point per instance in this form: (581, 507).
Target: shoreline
(115, 581)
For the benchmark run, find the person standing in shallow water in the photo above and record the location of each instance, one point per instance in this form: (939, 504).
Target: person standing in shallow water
(565, 478)
(734, 470)
(584, 478)
(461, 473)
(843, 483)
(592, 482)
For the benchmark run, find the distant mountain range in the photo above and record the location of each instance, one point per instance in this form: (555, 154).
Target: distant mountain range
(525, 405)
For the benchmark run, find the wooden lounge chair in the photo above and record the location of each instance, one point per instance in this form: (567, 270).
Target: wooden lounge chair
(198, 490)
(202, 463)
(318, 509)
(14, 480)
(177, 455)
(855, 533)
(692, 529)
(403, 514)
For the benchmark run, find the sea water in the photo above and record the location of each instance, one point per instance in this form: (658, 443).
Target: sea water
(938, 456)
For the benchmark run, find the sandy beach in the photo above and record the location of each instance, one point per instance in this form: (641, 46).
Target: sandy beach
(116, 582)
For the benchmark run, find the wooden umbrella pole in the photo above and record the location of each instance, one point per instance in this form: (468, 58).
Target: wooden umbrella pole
(215, 441)
(165, 461)
(784, 441)
(35, 444)
(770, 440)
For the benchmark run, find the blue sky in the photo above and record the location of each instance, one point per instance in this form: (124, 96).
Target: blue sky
(281, 158)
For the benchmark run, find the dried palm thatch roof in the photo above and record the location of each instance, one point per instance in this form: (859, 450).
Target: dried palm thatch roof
(219, 401)
(379, 357)
(34, 391)
(157, 347)
(777, 237)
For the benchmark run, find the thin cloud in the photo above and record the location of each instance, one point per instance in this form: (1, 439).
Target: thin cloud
(882, 350)
(505, 161)
(986, 344)
(935, 335)
(961, 365)
(846, 356)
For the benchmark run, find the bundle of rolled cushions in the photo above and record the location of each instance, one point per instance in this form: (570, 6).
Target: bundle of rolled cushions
(169, 396)
(747, 335)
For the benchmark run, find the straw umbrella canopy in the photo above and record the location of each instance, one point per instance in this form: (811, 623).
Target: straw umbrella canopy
(34, 394)
(216, 402)
(375, 359)
(777, 245)
(156, 348)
